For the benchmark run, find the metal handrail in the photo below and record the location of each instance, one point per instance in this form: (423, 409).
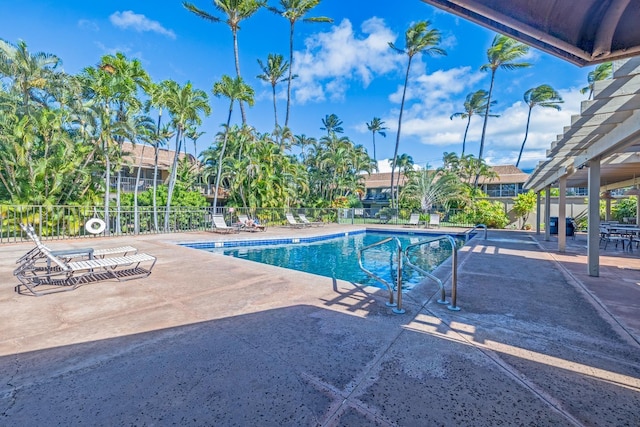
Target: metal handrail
(468, 232)
(397, 307)
(454, 270)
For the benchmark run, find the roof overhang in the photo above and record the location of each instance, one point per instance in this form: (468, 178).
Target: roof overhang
(582, 32)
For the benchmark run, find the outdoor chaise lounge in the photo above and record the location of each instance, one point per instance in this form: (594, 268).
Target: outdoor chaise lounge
(250, 225)
(306, 222)
(434, 220)
(414, 220)
(220, 226)
(292, 221)
(57, 274)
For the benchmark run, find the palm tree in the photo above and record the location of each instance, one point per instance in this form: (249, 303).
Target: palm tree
(502, 54)
(236, 11)
(404, 166)
(273, 72)
(292, 11)
(376, 126)
(29, 71)
(419, 39)
(474, 104)
(602, 72)
(235, 90)
(332, 124)
(186, 105)
(433, 187)
(544, 96)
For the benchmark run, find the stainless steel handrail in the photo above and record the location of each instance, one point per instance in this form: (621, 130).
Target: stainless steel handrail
(468, 232)
(397, 307)
(454, 270)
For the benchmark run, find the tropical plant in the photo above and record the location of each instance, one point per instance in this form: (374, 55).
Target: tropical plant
(433, 188)
(273, 72)
(376, 126)
(236, 11)
(474, 104)
(332, 124)
(544, 96)
(186, 105)
(419, 39)
(293, 11)
(235, 90)
(524, 205)
(601, 72)
(503, 54)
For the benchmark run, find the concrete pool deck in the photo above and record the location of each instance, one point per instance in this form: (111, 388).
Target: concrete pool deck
(215, 340)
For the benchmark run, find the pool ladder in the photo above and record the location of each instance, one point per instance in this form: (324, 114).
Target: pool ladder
(404, 258)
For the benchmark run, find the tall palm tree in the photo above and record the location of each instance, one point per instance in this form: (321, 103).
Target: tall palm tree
(273, 72)
(293, 11)
(419, 39)
(602, 72)
(405, 165)
(29, 71)
(235, 90)
(544, 96)
(186, 105)
(332, 124)
(503, 54)
(376, 126)
(235, 11)
(474, 104)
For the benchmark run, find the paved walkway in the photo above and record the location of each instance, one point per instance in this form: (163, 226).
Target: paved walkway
(214, 340)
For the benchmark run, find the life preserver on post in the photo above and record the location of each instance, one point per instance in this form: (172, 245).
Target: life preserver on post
(95, 226)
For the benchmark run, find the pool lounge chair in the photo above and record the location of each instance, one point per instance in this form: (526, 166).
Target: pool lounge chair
(246, 224)
(414, 220)
(293, 223)
(434, 220)
(61, 275)
(220, 226)
(305, 221)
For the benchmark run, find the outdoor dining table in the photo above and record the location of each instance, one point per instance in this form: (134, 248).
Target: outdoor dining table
(626, 231)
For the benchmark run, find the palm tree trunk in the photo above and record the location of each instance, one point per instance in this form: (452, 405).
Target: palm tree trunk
(275, 111)
(172, 179)
(395, 153)
(464, 139)
(107, 190)
(155, 173)
(526, 133)
(224, 147)
(235, 52)
(136, 213)
(484, 125)
(286, 120)
(374, 146)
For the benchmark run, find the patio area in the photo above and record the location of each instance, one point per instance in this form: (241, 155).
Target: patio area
(215, 340)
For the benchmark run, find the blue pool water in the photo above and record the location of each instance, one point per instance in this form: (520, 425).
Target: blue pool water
(337, 257)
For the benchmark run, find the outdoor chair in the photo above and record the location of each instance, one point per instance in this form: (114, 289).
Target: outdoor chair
(607, 236)
(246, 224)
(292, 221)
(434, 220)
(305, 221)
(220, 226)
(414, 220)
(58, 274)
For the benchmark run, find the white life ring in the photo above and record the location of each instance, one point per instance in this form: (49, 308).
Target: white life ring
(95, 226)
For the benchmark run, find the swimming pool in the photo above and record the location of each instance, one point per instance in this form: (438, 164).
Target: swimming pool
(336, 256)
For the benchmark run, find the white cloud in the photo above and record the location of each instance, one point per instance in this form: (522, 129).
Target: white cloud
(140, 23)
(335, 59)
(87, 24)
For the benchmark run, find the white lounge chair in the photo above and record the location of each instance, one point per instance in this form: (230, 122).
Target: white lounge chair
(414, 220)
(434, 220)
(246, 224)
(292, 221)
(220, 226)
(59, 275)
(305, 221)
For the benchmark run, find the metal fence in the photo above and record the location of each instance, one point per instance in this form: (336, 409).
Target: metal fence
(66, 222)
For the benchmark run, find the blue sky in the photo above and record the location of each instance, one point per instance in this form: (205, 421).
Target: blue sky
(344, 68)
